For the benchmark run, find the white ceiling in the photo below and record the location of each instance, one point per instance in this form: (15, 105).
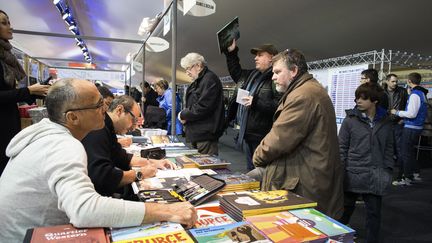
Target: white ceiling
(321, 29)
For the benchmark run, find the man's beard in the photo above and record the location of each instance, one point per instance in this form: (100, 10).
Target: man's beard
(280, 88)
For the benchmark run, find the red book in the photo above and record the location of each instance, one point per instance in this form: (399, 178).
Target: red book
(66, 234)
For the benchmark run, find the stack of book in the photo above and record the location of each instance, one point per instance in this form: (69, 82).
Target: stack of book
(235, 232)
(238, 182)
(203, 161)
(243, 204)
(156, 232)
(165, 140)
(285, 227)
(332, 228)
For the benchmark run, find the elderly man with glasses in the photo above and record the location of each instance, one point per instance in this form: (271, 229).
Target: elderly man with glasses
(45, 182)
(109, 165)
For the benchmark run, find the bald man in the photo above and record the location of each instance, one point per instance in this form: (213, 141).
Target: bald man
(46, 181)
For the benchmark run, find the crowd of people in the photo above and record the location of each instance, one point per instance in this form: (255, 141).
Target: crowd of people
(71, 167)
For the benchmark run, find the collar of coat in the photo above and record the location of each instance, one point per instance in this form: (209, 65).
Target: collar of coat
(299, 81)
(381, 114)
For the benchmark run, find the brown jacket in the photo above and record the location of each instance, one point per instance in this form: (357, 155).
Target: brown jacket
(301, 151)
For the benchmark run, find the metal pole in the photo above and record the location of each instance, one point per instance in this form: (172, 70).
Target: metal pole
(382, 63)
(390, 60)
(143, 76)
(173, 64)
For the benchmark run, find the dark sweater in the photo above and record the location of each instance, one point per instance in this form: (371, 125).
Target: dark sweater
(106, 158)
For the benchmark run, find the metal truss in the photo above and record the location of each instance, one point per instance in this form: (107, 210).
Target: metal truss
(406, 59)
(383, 57)
(371, 57)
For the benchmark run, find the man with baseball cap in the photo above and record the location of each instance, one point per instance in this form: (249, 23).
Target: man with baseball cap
(255, 116)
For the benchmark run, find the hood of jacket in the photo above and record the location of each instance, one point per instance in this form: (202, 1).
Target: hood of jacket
(32, 133)
(425, 91)
(380, 113)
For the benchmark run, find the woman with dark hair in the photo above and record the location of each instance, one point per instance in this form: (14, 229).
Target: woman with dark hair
(11, 72)
(165, 102)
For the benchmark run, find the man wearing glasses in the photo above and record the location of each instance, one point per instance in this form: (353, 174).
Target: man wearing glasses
(371, 75)
(45, 182)
(109, 165)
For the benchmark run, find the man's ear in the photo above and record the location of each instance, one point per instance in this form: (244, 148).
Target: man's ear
(119, 109)
(71, 117)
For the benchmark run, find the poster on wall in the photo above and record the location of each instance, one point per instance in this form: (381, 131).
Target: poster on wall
(343, 82)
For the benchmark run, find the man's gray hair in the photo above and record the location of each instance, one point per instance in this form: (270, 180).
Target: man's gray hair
(192, 59)
(125, 100)
(61, 95)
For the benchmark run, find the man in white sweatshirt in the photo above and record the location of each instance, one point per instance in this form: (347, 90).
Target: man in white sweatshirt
(46, 183)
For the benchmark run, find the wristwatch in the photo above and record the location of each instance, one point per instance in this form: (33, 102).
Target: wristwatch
(138, 175)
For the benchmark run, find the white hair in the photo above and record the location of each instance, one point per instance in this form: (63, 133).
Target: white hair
(192, 59)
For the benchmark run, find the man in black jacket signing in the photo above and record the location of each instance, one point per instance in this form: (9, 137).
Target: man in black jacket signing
(256, 114)
(109, 165)
(203, 115)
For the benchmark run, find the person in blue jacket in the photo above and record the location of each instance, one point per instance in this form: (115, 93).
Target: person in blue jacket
(165, 102)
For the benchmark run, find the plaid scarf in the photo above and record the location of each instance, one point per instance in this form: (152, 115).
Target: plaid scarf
(12, 70)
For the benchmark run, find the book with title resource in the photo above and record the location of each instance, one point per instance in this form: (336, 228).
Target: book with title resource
(144, 231)
(65, 234)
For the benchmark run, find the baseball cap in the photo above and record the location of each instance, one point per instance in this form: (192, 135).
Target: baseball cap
(266, 47)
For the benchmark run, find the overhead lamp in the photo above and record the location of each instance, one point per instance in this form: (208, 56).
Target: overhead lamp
(146, 25)
(60, 5)
(66, 15)
(74, 29)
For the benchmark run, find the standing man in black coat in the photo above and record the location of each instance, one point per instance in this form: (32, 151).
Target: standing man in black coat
(203, 115)
(397, 99)
(149, 96)
(256, 115)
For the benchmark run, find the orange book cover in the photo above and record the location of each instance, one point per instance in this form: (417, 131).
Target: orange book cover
(285, 227)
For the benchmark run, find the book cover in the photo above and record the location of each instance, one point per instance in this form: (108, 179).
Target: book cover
(227, 34)
(146, 230)
(65, 234)
(253, 203)
(236, 178)
(185, 162)
(332, 228)
(160, 183)
(236, 232)
(213, 220)
(207, 161)
(285, 227)
(171, 237)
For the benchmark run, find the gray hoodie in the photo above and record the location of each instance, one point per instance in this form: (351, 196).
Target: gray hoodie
(45, 183)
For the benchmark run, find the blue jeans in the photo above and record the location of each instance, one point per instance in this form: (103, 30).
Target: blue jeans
(373, 213)
(250, 150)
(397, 146)
(409, 139)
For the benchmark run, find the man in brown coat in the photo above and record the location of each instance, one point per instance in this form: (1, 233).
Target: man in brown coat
(301, 151)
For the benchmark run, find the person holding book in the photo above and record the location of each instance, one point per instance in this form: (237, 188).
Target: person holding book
(203, 114)
(256, 114)
(366, 149)
(46, 181)
(300, 152)
(109, 165)
(165, 102)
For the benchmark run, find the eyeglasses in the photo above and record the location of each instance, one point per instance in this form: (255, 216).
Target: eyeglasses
(188, 69)
(98, 105)
(134, 118)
